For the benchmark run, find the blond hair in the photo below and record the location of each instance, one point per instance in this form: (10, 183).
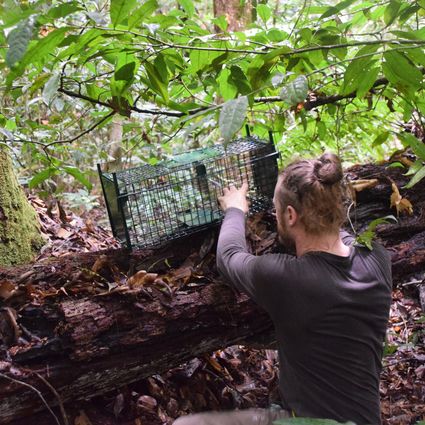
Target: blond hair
(314, 188)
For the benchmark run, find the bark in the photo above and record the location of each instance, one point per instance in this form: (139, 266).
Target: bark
(238, 14)
(20, 237)
(81, 325)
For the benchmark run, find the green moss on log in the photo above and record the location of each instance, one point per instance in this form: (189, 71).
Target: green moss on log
(20, 237)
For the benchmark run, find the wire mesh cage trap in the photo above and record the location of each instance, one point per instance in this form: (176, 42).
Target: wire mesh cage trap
(150, 205)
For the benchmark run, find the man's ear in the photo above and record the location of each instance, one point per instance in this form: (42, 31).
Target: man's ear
(291, 215)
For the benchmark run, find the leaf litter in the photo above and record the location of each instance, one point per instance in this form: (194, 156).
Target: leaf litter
(235, 377)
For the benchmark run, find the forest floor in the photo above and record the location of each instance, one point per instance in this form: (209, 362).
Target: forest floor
(236, 377)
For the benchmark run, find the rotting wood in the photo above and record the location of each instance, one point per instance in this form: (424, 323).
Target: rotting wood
(86, 331)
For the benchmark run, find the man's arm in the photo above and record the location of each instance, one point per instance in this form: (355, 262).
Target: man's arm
(233, 260)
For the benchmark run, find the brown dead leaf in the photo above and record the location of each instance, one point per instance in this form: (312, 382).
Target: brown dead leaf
(63, 233)
(100, 263)
(7, 289)
(82, 419)
(362, 184)
(142, 277)
(401, 204)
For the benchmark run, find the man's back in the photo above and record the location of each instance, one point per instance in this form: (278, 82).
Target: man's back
(330, 314)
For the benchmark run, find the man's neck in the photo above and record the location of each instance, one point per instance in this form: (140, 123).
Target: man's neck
(331, 243)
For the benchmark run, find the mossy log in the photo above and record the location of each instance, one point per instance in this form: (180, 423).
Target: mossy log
(80, 325)
(20, 237)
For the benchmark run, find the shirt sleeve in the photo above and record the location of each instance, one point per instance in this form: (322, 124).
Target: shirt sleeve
(233, 260)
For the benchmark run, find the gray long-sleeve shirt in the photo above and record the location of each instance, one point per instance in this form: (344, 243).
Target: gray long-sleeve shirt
(330, 315)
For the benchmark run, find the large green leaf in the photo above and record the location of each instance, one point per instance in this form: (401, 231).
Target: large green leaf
(391, 12)
(63, 10)
(41, 49)
(417, 146)
(156, 82)
(239, 80)
(18, 41)
(79, 176)
(42, 176)
(120, 10)
(264, 12)
(188, 7)
(295, 91)
(356, 70)
(400, 71)
(232, 116)
(417, 177)
(139, 15)
(333, 10)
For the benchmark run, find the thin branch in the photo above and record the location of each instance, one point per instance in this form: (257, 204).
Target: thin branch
(298, 18)
(83, 97)
(78, 136)
(35, 390)
(58, 398)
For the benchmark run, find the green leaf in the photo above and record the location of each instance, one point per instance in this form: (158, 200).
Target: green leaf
(264, 12)
(120, 10)
(42, 176)
(40, 50)
(232, 116)
(277, 35)
(414, 168)
(365, 238)
(79, 176)
(417, 146)
(391, 12)
(369, 78)
(416, 178)
(63, 10)
(51, 88)
(239, 80)
(221, 22)
(295, 92)
(380, 139)
(227, 91)
(126, 72)
(333, 10)
(140, 14)
(156, 82)
(38, 82)
(188, 7)
(12, 12)
(18, 40)
(398, 69)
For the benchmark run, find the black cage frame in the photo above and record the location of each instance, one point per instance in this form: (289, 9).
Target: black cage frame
(153, 204)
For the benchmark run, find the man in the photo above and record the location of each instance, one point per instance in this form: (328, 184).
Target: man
(329, 303)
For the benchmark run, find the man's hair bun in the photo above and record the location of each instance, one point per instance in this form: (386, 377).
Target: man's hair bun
(328, 169)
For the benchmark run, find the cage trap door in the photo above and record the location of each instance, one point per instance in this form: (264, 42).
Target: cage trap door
(204, 208)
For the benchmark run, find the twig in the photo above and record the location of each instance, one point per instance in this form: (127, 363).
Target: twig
(58, 398)
(36, 391)
(78, 136)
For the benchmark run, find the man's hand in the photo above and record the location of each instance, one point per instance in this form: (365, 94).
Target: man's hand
(234, 198)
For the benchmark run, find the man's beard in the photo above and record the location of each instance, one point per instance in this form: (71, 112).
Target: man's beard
(284, 238)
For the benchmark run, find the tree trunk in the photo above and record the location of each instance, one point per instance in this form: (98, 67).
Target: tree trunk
(238, 14)
(20, 236)
(79, 324)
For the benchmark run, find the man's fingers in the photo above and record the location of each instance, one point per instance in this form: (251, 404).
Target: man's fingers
(244, 187)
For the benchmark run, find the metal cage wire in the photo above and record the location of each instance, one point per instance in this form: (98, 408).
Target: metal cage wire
(150, 205)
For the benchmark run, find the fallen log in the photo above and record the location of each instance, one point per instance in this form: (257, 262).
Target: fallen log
(76, 327)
